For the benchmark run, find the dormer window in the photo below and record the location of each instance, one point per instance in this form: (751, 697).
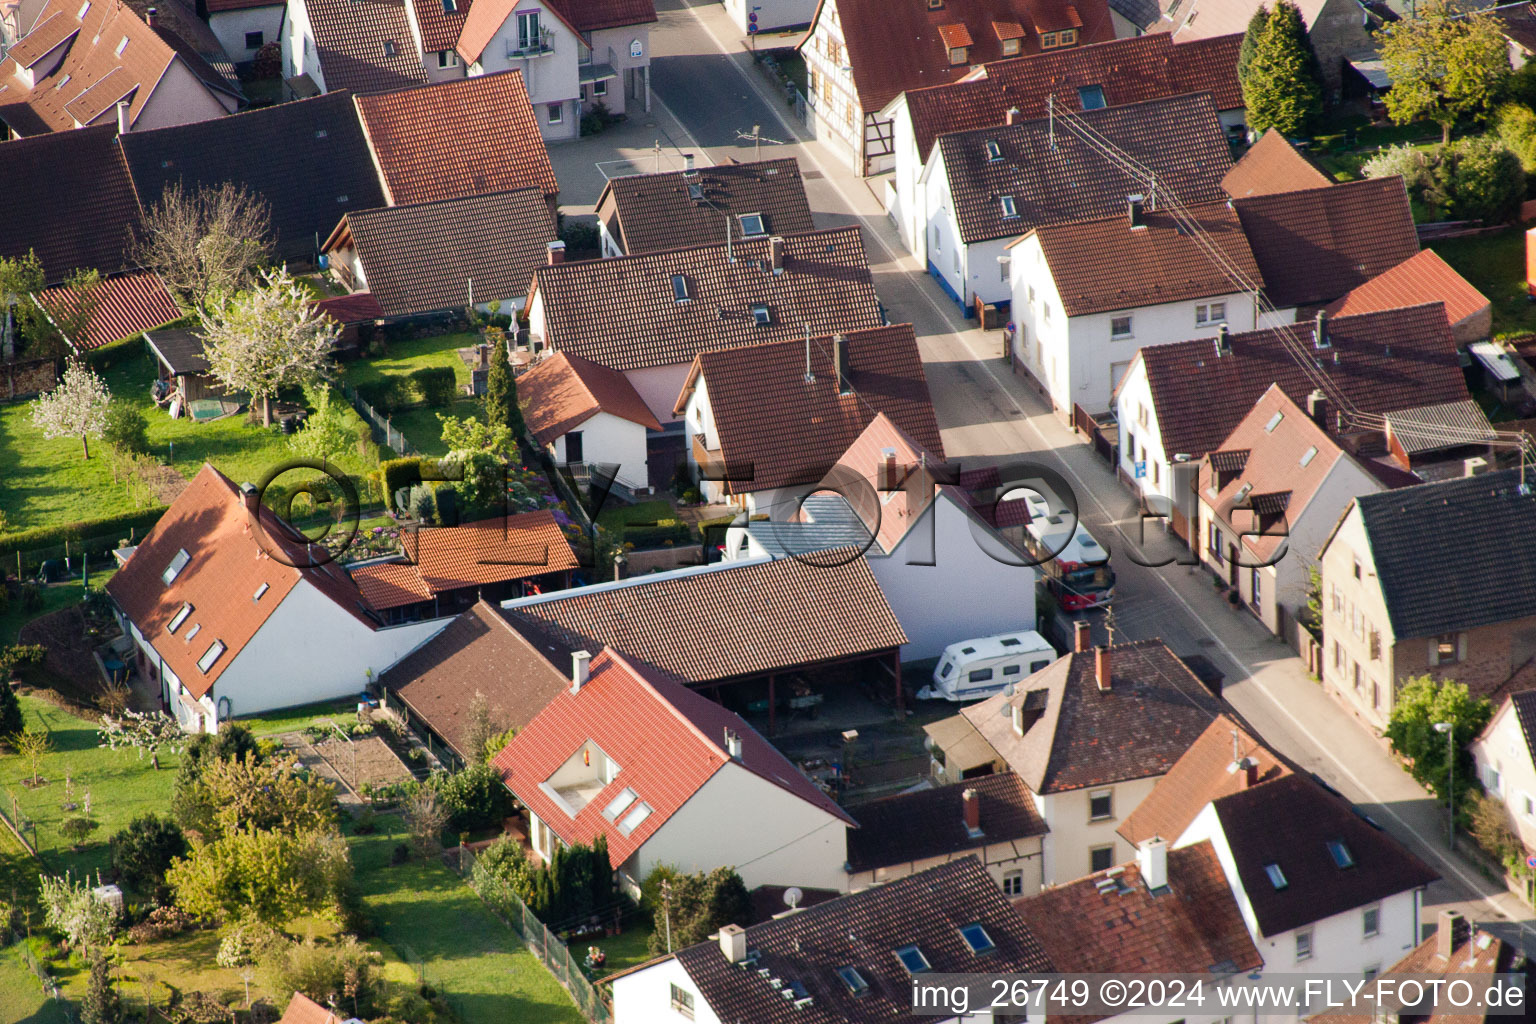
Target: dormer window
(913, 960)
(178, 563)
(179, 618)
(1048, 41)
(680, 288)
(1009, 212)
(210, 656)
(1010, 47)
(994, 151)
(957, 39)
(752, 225)
(958, 54)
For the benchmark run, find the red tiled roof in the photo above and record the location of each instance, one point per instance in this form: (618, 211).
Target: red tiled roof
(896, 47)
(365, 45)
(790, 431)
(564, 391)
(121, 306)
(915, 826)
(1088, 927)
(1317, 244)
(623, 314)
(359, 307)
(459, 138)
(225, 567)
(304, 1010)
(425, 257)
(46, 34)
(1199, 776)
(592, 15)
(1422, 278)
(1054, 177)
(1126, 70)
(1272, 165)
(390, 584)
(954, 35)
(654, 212)
(486, 19)
(439, 28)
(451, 557)
(668, 741)
(721, 621)
(1087, 259)
(1381, 362)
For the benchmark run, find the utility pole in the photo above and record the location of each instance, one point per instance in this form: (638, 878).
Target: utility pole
(657, 150)
(666, 909)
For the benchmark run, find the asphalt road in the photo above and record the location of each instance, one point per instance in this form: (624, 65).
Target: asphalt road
(700, 74)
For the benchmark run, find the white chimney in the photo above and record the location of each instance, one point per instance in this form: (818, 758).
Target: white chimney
(581, 665)
(733, 743)
(733, 943)
(1152, 859)
(122, 117)
(687, 163)
(1475, 466)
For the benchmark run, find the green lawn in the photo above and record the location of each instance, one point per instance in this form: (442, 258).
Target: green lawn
(21, 994)
(420, 425)
(300, 718)
(121, 786)
(1495, 264)
(48, 482)
(616, 516)
(427, 914)
(627, 949)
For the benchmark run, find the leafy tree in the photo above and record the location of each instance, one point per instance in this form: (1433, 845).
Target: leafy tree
(325, 431)
(11, 721)
(344, 973)
(205, 242)
(1250, 45)
(20, 279)
(272, 875)
(1515, 125)
(497, 742)
(1444, 65)
(72, 908)
(232, 795)
(1479, 179)
(484, 727)
(693, 906)
(501, 406)
(478, 453)
(147, 732)
(266, 338)
(143, 851)
(76, 407)
(78, 829)
(126, 430)
(475, 798)
(1411, 730)
(102, 1004)
(1282, 89)
(470, 435)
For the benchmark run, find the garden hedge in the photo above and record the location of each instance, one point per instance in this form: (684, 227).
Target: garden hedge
(435, 385)
(658, 535)
(93, 536)
(397, 473)
(389, 394)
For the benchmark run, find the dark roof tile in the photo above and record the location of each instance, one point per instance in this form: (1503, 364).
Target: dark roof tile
(911, 827)
(365, 45)
(658, 211)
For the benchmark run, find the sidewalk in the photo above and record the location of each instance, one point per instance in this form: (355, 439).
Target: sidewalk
(584, 165)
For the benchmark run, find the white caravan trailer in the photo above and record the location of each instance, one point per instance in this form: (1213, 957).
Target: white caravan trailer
(971, 669)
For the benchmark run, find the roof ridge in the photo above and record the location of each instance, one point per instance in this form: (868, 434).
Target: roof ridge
(613, 654)
(572, 266)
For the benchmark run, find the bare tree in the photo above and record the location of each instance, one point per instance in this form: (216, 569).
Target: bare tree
(426, 819)
(33, 746)
(77, 407)
(205, 242)
(266, 338)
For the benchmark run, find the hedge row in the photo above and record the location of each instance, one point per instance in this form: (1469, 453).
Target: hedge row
(93, 536)
(395, 474)
(658, 535)
(434, 386)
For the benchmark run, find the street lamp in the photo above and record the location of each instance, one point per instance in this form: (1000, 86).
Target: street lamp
(1450, 789)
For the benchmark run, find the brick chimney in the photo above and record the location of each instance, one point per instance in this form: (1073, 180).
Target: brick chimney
(1448, 929)
(970, 804)
(1135, 207)
(581, 667)
(250, 497)
(1317, 407)
(1082, 635)
(776, 254)
(733, 943)
(1101, 668)
(1250, 773)
(555, 252)
(1012, 116)
(840, 363)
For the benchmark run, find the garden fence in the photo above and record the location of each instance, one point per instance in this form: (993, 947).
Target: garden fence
(385, 432)
(542, 942)
(36, 966)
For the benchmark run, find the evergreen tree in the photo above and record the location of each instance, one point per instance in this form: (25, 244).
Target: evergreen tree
(501, 390)
(1282, 90)
(1251, 42)
(102, 1004)
(10, 708)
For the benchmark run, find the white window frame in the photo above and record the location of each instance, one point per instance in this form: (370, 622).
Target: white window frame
(1366, 931)
(1096, 794)
(527, 20)
(681, 1000)
(1115, 334)
(600, 88)
(1013, 882)
(1304, 950)
(554, 113)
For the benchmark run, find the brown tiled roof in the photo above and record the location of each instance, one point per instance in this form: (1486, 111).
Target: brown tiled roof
(120, 307)
(478, 652)
(863, 930)
(444, 558)
(1317, 244)
(1273, 466)
(365, 45)
(562, 392)
(1112, 923)
(1316, 887)
(51, 29)
(1518, 23)
(1179, 139)
(667, 740)
(97, 70)
(720, 621)
(459, 138)
(1199, 776)
(424, 257)
(896, 47)
(658, 211)
(592, 15)
(308, 159)
(356, 308)
(1087, 260)
(1273, 165)
(1083, 736)
(912, 827)
(1421, 278)
(390, 584)
(790, 431)
(68, 197)
(1382, 361)
(1126, 70)
(440, 28)
(225, 567)
(622, 312)
(304, 1010)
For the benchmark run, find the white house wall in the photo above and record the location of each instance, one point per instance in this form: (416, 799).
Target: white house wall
(609, 438)
(230, 28)
(771, 14)
(832, 92)
(741, 820)
(1000, 860)
(615, 47)
(645, 997)
(299, 53)
(659, 387)
(1072, 835)
(1502, 747)
(551, 78)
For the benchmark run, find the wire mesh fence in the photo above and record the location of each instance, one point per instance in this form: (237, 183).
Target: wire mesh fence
(381, 424)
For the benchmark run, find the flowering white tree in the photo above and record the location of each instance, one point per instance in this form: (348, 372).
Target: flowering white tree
(266, 338)
(74, 909)
(145, 731)
(77, 407)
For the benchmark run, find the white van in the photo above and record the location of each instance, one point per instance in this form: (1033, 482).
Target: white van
(977, 668)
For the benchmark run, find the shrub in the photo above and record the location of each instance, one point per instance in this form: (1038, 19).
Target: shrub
(390, 393)
(93, 536)
(435, 384)
(1485, 181)
(143, 850)
(162, 923)
(269, 61)
(476, 798)
(246, 943)
(666, 531)
(11, 721)
(126, 429)
(699, 904)
(345, 969)
(578, 234)
(397, 474)
(1409, 162)
(423, 506)
(1515, 125)
(1489, 823)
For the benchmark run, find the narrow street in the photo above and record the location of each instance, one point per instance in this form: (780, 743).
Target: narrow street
(988, 416)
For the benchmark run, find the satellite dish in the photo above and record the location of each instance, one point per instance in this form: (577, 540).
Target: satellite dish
(793, 896)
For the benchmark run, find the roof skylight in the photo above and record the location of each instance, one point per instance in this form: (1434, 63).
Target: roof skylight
(913, 959)
(634, 818)
(210, 656)
(680, 288)
(1308, 455)
(619, 804)
(178, 563)
(1342, 857)
(1276, 876)
(977, 938)
(1274, 421)
(853, 981)
(179, 618)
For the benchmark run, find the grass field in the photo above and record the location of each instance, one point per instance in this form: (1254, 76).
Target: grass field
(300, 718)
(55, 596)
(429, 916)
(420, 425)
(1495, 264)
